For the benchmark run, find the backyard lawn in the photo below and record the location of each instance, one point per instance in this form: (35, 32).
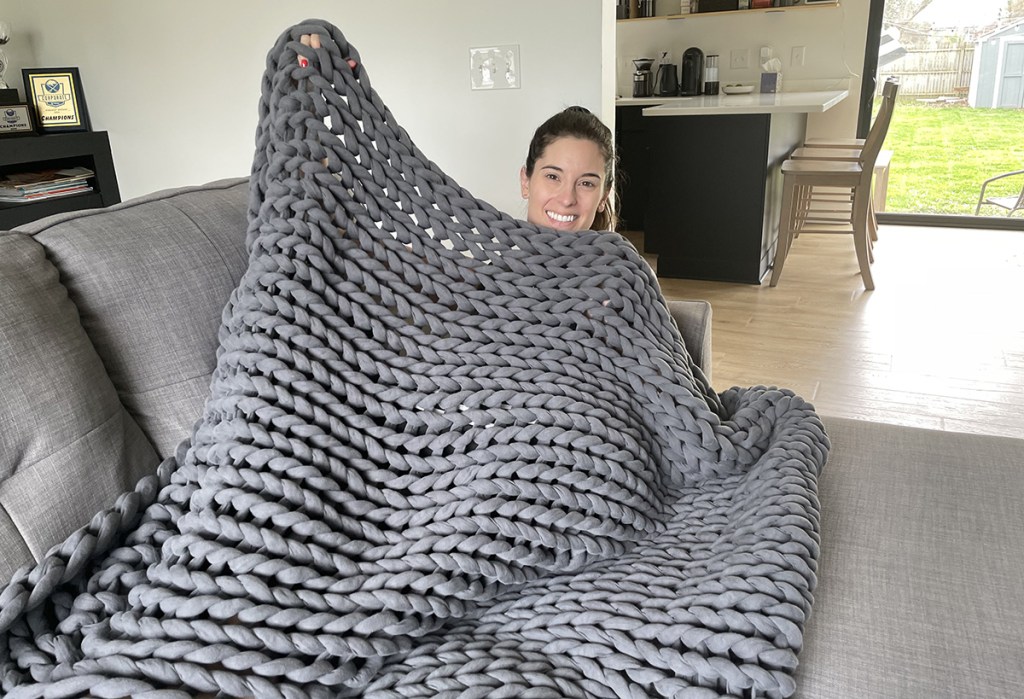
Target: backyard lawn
(944, 152)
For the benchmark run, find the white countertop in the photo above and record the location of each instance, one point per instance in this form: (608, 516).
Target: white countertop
(754, 103)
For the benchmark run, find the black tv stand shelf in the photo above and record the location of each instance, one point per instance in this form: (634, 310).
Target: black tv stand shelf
(89, 149)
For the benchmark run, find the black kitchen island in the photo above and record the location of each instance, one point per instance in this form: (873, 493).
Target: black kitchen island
(702, 178)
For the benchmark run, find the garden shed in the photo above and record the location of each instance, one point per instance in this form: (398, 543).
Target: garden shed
(997, 79)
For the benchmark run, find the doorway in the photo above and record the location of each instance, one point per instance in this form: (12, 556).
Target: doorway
(959, 121)
(1010, 75)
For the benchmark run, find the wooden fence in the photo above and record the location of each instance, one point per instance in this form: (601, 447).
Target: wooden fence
(933, 73)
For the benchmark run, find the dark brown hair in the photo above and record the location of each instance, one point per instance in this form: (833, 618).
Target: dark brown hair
(579, 122)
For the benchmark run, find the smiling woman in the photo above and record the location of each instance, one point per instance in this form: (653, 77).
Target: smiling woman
(567, 179)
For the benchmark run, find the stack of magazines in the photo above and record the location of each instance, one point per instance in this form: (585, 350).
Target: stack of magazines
(44, 184)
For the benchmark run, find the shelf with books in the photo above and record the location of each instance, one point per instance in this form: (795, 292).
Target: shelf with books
(28, 154)
(48, 183)
(750, 11)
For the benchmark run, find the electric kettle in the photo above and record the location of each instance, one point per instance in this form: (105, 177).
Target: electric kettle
(667, 80)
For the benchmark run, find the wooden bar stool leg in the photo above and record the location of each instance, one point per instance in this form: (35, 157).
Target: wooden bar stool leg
(786, 227)
(798, 208)
(861, 239)
(873, 225)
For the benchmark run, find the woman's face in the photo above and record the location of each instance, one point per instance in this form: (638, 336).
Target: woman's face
(567, 186)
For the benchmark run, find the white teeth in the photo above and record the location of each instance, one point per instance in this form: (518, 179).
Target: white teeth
(561, 218)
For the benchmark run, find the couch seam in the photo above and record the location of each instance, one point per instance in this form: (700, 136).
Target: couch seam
(131, 204)
(220, 254)
(120, 406)
(20, 533)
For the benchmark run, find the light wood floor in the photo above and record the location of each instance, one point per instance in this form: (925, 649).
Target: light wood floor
(939, 343)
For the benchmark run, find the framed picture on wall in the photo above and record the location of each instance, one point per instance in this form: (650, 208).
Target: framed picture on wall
(56, 98)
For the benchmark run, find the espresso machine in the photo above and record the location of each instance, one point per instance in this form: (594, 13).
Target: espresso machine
(643, 80)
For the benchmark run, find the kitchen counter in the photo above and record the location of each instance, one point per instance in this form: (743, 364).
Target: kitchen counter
(753, 103)
(702, 177)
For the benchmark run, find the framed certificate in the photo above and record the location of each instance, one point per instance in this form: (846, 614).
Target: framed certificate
(56, 98)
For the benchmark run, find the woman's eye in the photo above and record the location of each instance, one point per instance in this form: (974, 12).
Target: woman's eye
(588, 183)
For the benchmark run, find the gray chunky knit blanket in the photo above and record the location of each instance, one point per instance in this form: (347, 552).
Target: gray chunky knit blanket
(445, 453)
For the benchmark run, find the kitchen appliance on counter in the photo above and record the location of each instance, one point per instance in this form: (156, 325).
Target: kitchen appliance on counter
(667, 80)
(711, 74)
(691, 81)
(643, 81)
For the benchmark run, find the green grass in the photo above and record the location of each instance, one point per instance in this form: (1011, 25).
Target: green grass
(942, 154)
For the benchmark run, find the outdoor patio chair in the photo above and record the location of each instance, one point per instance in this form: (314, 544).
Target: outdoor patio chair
(1012, 203)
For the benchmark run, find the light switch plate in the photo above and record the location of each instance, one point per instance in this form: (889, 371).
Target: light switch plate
(494, 67)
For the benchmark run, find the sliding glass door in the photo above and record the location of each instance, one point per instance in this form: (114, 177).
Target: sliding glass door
(957, 133)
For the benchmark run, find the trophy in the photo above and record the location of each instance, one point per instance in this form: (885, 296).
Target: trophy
(15, 117)
(5, 35)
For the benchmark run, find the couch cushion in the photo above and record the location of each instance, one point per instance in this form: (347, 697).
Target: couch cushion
(67, 446)
(919, 581)
(150, 278)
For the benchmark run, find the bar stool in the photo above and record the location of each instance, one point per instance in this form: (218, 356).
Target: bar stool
(850, 149)
(825, 193)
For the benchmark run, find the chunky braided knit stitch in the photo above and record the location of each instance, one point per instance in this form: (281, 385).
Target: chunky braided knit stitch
(445, 453)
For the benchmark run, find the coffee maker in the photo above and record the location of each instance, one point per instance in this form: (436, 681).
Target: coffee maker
(643, 81)
(691, 81)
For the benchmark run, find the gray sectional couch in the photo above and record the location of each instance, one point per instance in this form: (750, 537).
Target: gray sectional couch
(108, 332)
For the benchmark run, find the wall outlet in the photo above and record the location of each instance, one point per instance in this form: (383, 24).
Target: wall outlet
(739, 59)
(494, 67)
(796, 57)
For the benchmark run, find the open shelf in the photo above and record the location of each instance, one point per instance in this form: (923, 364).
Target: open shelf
(89, 149)
(760, 11)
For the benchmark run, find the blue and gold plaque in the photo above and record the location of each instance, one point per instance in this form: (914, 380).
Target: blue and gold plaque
(56, 98)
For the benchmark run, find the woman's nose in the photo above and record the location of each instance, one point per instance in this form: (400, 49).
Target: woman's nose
(567, 194)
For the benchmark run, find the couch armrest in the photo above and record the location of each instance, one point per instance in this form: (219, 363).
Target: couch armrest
(694, 321)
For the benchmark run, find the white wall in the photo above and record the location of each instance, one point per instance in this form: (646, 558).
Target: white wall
(176, 84)
(834, 37)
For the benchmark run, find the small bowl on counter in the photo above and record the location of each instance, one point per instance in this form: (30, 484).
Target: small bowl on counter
(737, 89)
